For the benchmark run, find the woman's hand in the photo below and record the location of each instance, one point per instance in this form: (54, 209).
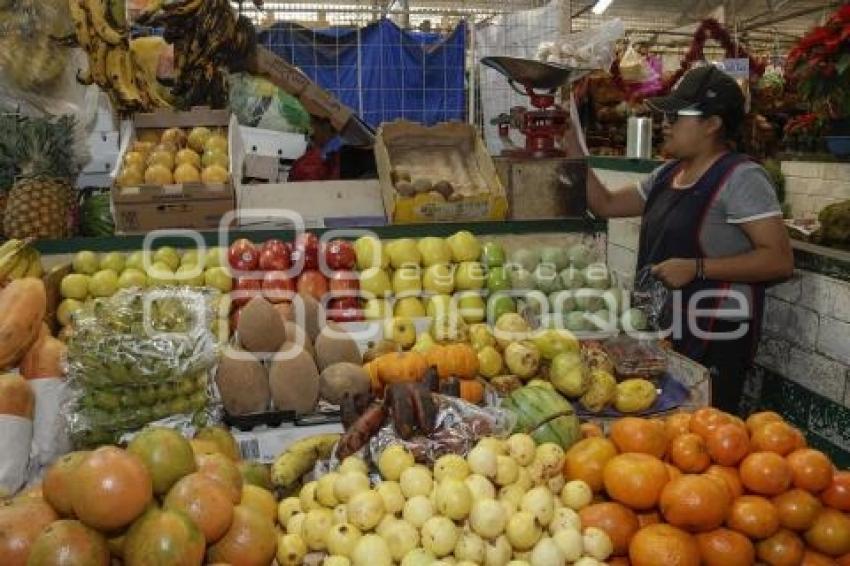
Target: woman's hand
(676, 273)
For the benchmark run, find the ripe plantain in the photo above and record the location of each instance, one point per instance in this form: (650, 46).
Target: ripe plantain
(81, 23)
(123, 82)
(97, 12)
(300, 458)
(97, 63)
(35, 268)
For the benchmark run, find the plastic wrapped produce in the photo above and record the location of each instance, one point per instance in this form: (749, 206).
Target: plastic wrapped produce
(137, 357)
(634, 358)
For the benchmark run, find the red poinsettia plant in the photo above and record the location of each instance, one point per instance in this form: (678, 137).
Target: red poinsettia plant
(820, 65)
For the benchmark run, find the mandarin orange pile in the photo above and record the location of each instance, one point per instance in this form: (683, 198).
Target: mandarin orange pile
(708, 488)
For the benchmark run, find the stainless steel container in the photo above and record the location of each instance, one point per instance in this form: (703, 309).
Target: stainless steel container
(639, 138)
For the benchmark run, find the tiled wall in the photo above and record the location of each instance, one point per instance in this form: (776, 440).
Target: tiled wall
(810, 186)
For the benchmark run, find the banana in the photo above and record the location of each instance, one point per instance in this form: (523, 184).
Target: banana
(300, 458)
(85, 77)
(8, 264)
(97, 12)
(97, 63)
(20, 268)
(183, 8)
(81, 23)
(35, 268)
(123, 83)
(10, 247)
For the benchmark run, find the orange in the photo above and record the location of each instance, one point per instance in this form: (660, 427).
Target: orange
(58, 480)
(844, 560)
(765, 473)
(810, 469)
(167, 455)
(753, 516)
(694, 503)
(617, 520)
(635, 480)
(730, 478)
(222, 469)
(646, 519)
(830, 533)
(837, 495)
(673, 471)
(724, 547)
(758, 420)
(111, 489)
(586, 459)
(797, 509)
(784, 548)
(21, 523)
(250, 541)
(69, 542)
(777, 437)
(707, 419)
(677, 425)
(590, 430)
(688, 452)
(207, 502)
(164, 537)
(260, 500)
(633, 434)
(812, 558)
(728, 444)
(618, 561)
(663, 545)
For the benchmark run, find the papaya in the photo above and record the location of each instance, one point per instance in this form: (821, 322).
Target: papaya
(23, 304)
(44, 359)
(16, 396)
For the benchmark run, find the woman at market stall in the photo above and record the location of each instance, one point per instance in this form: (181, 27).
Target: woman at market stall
(711, 228)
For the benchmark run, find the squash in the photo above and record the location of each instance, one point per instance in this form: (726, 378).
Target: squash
(44, 359)
(458, 360)
(16, 396)
(472, 390)
(372, 370)
(23, 305)
(401, 367)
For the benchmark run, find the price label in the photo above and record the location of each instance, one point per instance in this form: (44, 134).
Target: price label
(736, 68)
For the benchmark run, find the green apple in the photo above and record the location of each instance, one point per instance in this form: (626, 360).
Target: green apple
(589, 300)
(472, 307)
(492, 255)
(498, 279)
(114, 261)
(136, 260)
(525, 258)
(596, 276)
(546, 278)
(218, 278)
(498, 305)
(74, 286)
(439, 305)
(168, 256)
(104, 283)
(464, 246)
(470, 276)
(190, 257)
(132, 277)
(572, 278)
(579, 256)
(574, 321)
(190, 275)
(634, 319)
(434, 251)
(376, 309)
(215, 257)
(370, 253)
(376, 282)
(66, 311)
(555, 256)
(406, 281)
(439, 278)
(160, 273)
(409, 307)
(401, 330)
(562, 302)
(85, 262)
(521, 279)
(602, 320)
(403, 252)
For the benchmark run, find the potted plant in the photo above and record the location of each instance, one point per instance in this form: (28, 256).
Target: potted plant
(819, 66)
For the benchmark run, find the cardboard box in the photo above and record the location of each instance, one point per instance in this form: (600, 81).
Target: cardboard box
(446, 152)
(321, 204)
(193, 206)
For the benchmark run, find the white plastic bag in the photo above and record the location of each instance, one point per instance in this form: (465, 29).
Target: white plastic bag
(633, 66)
(589, 49)
(15, 439)
(50, 435)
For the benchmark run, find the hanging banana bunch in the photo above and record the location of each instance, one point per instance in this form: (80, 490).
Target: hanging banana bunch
(208, 38)
(113, 66)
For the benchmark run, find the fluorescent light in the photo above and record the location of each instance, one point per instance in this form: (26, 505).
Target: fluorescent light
(600, 6)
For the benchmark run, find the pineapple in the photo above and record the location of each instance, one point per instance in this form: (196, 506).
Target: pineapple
(40, 202)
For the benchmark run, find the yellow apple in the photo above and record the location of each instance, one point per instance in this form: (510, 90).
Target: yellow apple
(439, 305)
(375, 281)
(439, 278)
(472, 307)
(406, 281)
(376, 309)
(434, 251)
(403, 252)
(409, 307)
(400, 330)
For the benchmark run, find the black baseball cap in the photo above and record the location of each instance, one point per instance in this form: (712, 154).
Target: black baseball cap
(708, 90)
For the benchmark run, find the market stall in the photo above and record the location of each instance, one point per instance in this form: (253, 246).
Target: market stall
(441, 359)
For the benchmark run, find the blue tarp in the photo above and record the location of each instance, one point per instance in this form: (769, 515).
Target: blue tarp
(380, 71)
